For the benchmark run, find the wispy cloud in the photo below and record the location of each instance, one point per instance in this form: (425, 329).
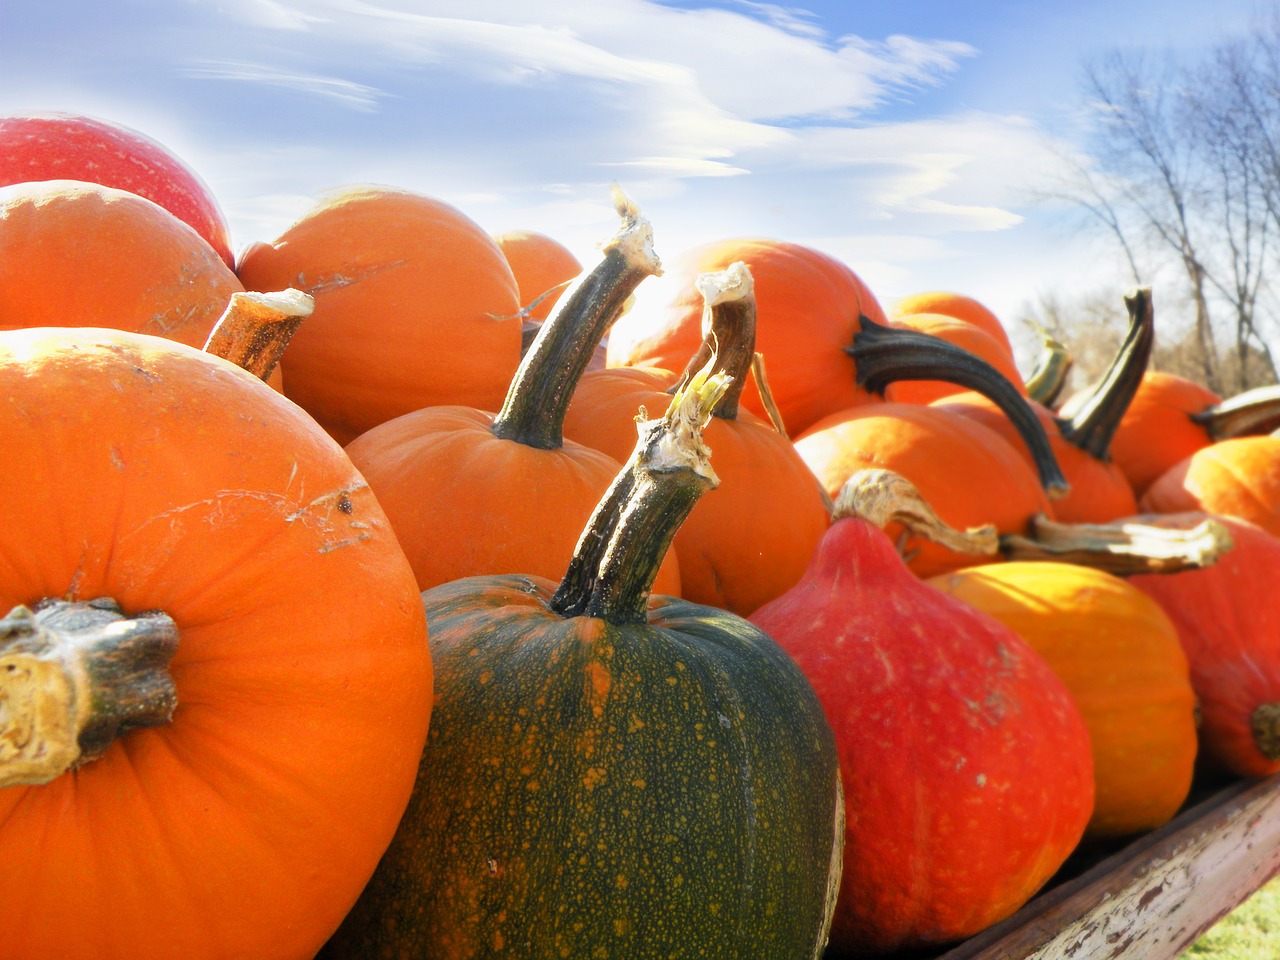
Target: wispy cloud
(345, 92)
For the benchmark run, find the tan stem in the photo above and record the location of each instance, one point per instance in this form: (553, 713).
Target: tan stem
(759, 374)
(1047, 380)
(1122, 548)
(74, 677)
(256, 327)
(882, 497)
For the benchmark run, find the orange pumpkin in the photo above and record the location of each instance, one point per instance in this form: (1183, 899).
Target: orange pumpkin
(957, 305)
(415, 306)
(216, 516)
(1239, 477)
(1119, 656)
(473, 493)
(967, 472)
(1157, 430)
(753, 536)
(81, 254)
(542, 266)
(808, 305)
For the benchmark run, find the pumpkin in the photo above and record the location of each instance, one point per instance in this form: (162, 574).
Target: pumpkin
(1099, 491)
(610, 772)
(965, 762)
(753, 539)
(82, 254)
(415, 306)
(1238, 477)
(191, 541)
(957, 305)
(542, 267)
(471, 492)
(1228, 619)
(961, 334)
(1119, 655)
(808, 305)
(967, 472)
(1157, 429)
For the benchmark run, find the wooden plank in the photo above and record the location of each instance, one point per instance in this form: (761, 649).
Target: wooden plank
(1154, 897)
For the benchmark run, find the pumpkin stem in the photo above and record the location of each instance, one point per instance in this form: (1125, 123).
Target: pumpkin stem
(882, 497)
(1265, 723)
(1122, 548)
(619, 553)
(534, 409)
(73, 677)
(1049, 378)
(1093, 424)
(887, 354)
(770, 405)
(1252, 413)
(728, 333)
(256, 328)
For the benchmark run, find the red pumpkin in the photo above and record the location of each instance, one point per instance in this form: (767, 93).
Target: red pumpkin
(966, 765)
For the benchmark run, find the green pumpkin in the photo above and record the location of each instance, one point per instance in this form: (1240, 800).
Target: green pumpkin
(610, 774)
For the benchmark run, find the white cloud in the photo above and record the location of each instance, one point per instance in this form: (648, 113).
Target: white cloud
(345, 92)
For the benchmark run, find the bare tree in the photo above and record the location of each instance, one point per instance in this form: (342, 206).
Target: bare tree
(1184, 171)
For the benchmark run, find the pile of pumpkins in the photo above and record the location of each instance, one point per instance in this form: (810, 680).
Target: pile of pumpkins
(399, 590)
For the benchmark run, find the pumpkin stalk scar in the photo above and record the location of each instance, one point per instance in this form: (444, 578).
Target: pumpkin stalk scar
(73, 678)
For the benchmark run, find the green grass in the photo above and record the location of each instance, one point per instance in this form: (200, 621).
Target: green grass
(1250, 932)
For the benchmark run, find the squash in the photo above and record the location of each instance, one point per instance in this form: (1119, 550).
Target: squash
(1238, 477)
(82, 254)
(542, 266)
(194, 544)
(1228, 619)
(753, 539)
(471, 492)
(957, 305)
(415, 306)
(809, 305)
(1119, 655)
(965, 761)
(611, 773)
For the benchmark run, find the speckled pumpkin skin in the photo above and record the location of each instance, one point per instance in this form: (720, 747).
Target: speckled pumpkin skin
(667, 789)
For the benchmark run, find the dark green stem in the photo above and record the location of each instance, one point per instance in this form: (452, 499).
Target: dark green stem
(534, 409)
(884, 355)
(617, 558)
(1252, 413)
(1093, 425)
(729, 317)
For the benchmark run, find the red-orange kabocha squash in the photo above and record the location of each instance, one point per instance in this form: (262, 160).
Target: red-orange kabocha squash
(81, 254)
(1228, 620)
(965, 762)
(216, 682)
(415, 306)
(1119, 655)
(753, 537)
(470, 492)
(611, 773)
(808, 304)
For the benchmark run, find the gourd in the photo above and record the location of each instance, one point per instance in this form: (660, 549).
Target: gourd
(609, 772)
(957, 305)
(965, 761)
(962, 334)
(1238, 477)
(190, 554)
(542, 266)
(415, 306)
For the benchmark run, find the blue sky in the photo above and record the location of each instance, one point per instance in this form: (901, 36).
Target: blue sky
(906, 137)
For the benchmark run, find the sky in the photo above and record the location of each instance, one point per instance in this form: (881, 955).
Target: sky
(912, 139)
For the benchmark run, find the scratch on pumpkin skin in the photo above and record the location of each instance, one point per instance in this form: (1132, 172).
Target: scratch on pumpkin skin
(337, 281)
